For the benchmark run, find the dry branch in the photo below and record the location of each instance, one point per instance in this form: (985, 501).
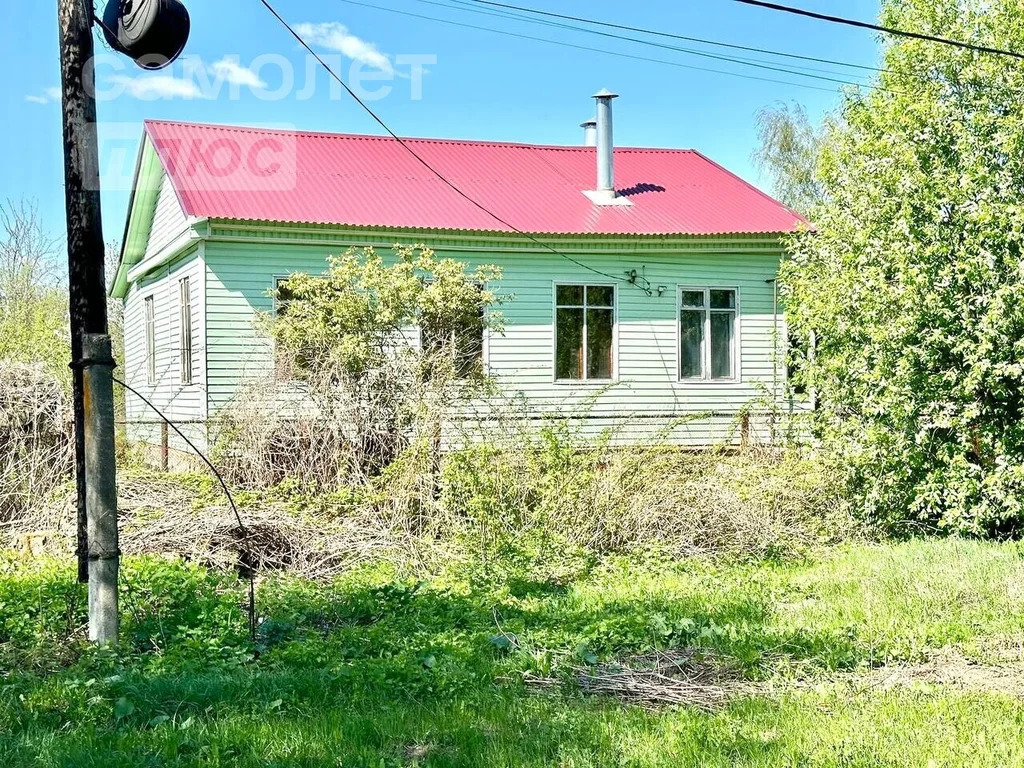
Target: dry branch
(690, 678)
(36, 451)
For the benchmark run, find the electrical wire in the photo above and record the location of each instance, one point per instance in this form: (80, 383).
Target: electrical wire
(421, 160)
(605, 51)
(674, 36)
(879, 28)
(688, 51)
(248, 570)
(468, 6)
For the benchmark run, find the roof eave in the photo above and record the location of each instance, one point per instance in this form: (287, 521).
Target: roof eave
(139, 220)
(498, 233)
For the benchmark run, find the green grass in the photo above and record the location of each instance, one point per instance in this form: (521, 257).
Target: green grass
(376, 670)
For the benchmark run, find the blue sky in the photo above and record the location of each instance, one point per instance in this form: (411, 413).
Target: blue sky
(480, 85)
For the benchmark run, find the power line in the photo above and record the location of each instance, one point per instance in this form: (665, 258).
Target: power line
(420, 159)
(690, 51)
(879, 28)
(674, 36)
(466, 5)
(607, 52)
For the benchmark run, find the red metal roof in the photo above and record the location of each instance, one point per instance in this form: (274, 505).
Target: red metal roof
(264, 175)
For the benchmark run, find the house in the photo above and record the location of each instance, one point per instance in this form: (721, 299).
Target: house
(642, 279)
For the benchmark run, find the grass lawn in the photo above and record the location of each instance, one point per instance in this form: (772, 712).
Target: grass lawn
(377, 670)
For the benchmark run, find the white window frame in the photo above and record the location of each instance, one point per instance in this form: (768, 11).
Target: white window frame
(185, 330)
(705, 353)
(615, 334)
(149, 336)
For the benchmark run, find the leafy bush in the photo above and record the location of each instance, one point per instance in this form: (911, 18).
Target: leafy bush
(35, 450)
(911, 286)
(370, 356)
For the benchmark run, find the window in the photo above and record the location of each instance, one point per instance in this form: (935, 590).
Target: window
(185, 330)
(282, 295)
(150, 327)
(707, 333)
(463, 338)
(796, 362)
(584, 332)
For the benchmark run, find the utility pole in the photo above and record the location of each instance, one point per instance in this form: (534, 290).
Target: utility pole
(92, 363)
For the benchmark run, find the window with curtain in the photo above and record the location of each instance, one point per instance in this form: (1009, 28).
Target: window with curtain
(707, 334)
(584, 332)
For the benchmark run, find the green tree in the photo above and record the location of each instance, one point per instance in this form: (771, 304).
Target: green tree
(33, 303)
(790, 146)
(913, 285)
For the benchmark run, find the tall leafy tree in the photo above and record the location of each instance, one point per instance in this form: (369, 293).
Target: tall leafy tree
(913, 284)
(790, 146)
(33, 303)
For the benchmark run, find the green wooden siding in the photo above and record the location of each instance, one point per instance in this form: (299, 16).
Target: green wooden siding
(242, 262)
(185, 404)
(169, 221)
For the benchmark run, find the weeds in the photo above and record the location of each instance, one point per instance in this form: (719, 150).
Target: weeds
(604, 500)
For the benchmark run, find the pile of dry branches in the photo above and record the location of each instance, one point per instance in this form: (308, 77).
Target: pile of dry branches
(159, 514)
(36, 447)
(689, 678)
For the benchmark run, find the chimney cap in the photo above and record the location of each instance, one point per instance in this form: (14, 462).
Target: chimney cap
(592, 122)
(604, 93)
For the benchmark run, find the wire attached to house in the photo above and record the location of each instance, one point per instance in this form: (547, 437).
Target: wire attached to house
(421, 160)
(249, 570)
(880, 28)
(674, 36)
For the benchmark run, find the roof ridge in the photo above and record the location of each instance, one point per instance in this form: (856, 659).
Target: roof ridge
(417, 139)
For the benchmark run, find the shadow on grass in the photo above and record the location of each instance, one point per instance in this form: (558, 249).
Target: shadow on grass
(395, 674)
(540, 617)
(313, 718)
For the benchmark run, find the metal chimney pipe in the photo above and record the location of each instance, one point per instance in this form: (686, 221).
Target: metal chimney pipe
(589, 132)
(605, 171)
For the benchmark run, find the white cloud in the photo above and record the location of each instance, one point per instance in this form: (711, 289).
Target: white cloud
(234, 73)
(197, 80)
(336, 37)
(48, 95)
(153, 87)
